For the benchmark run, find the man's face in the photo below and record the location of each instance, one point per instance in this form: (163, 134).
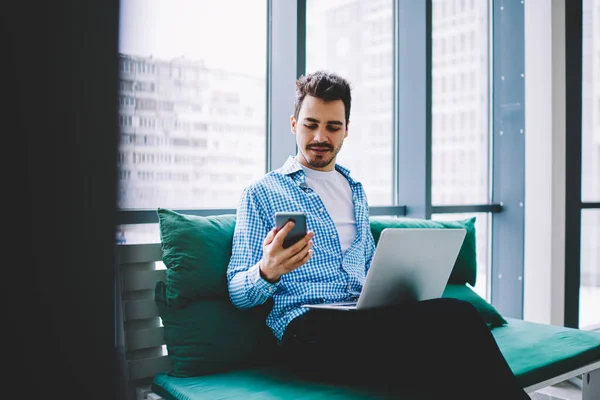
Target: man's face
(320, 132)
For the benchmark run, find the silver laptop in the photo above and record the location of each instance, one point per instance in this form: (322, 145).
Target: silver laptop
(409, 264)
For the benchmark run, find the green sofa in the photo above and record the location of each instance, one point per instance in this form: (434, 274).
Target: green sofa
(216, 351)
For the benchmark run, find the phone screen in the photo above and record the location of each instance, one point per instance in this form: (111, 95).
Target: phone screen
(299, 229)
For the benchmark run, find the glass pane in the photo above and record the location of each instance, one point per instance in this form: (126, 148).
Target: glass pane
(589, 291)
(590, 124)
(192, 102)
(336, 32)
(460, 88)
(482, 234)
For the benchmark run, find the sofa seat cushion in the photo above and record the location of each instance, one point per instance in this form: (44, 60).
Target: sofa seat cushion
(537, 352)
(259, 383)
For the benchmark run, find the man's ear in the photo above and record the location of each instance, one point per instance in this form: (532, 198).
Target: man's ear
(293, 124)
(346, 134)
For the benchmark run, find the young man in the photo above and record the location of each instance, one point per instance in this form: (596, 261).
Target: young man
(416, 347)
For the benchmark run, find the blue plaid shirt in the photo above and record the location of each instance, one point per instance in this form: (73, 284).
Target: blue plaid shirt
(328, 276)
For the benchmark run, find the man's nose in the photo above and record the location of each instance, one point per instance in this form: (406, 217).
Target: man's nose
(320, 135)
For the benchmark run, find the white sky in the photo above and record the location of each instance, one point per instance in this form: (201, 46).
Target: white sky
(226, 34)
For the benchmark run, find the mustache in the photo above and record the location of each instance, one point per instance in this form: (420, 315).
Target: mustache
(327, 145)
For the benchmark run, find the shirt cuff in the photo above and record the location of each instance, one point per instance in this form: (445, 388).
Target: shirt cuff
(260, 283)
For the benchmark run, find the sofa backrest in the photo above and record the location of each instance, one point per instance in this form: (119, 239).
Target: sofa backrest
(196, 251)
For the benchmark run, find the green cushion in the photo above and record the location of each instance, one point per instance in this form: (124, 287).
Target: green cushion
(196, 252)
(465, 268)
(211, 335)
(265, 383)
(487, 311)
(537, 352)
(248, 384)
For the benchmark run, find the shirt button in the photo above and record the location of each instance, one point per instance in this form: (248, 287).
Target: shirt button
(333, 236)
(321, 209)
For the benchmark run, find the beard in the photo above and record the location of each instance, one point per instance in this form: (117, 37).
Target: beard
(321, 161)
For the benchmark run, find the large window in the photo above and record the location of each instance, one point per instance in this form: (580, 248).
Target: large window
(194, 99)
(192, 104)
(355, 39)
(589, 297)
(460, 115)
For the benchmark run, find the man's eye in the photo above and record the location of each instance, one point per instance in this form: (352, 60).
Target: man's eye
(311, 126)
(333, 128)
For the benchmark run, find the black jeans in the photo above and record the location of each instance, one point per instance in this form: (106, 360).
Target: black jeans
(440, 348)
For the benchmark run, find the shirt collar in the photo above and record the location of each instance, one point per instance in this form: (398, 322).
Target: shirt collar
(293, 168)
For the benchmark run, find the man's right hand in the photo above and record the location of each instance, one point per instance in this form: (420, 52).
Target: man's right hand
(276, 260)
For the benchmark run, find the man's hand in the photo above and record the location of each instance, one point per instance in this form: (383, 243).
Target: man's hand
(276, 260)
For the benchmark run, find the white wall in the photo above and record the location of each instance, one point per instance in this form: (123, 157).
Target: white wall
(545, 161)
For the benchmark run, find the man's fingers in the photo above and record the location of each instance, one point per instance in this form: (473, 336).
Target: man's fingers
(269, 237)
(282, 233)
(299, 245)
(297, 259)
(308, 255)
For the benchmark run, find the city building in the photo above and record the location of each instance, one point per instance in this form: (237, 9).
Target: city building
(190, 136)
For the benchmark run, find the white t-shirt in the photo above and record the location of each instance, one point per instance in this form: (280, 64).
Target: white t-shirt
(334, 190)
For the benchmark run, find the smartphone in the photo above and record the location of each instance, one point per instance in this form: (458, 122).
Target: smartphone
(299, 229)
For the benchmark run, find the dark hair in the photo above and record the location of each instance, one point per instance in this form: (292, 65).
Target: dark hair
(324, 85)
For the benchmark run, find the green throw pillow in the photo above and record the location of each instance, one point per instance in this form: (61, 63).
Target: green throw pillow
(196, 252)
(211, 335)
(487, 311)
(465, 267)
